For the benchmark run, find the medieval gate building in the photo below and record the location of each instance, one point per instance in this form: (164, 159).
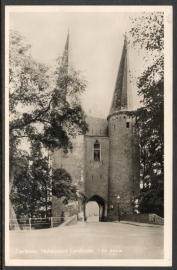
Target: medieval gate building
(105, 161)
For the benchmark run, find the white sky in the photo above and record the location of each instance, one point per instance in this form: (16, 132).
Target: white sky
(96, 42)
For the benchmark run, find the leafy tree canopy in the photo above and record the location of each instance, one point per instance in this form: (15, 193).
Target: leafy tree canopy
(148, 31)
(147, 34)
(45, 113)
(33, 185)
(44, 106)
(63, 188)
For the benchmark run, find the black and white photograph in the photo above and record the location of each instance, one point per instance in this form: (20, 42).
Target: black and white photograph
(88, 135)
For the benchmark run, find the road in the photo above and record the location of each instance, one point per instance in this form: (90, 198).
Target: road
(93, 240)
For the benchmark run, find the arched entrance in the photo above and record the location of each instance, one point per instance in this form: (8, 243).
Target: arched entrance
(102, 212)
(92, 211)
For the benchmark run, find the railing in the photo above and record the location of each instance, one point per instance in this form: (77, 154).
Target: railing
(36, 223)
(97, 132)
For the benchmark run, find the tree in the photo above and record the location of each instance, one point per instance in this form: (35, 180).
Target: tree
(20, 199)
(44, 107)
(63, 188)
(148, 33)
(32, 184)
(40, 179)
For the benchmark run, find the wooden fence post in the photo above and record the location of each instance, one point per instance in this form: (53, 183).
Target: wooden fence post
(30, 223)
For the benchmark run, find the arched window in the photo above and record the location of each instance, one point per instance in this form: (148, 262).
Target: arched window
(97, 151)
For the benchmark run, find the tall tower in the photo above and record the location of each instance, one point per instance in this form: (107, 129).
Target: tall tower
(123, 145)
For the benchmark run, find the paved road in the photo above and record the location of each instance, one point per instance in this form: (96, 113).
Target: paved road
(93, 240)
(93, 219)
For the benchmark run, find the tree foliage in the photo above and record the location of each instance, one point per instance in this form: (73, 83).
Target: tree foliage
(31, 191)
(148, 33)
(34, 186)
(45, 113)
(63, 188)
(41, 108)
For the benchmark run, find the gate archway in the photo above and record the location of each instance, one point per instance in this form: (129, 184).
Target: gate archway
(92, 211)
(102, 206)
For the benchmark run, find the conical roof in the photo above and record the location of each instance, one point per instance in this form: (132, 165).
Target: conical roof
(67, 42)
(122, 96)
(63, 73)
(65, 58)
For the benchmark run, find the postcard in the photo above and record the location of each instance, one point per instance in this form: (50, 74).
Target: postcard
(88, 135)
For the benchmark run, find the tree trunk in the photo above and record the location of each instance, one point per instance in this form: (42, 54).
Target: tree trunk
(13, 223)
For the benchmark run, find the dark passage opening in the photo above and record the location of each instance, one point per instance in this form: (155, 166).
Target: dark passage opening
(95, 209)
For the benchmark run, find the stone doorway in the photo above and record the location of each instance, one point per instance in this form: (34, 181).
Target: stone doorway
(100, 209)
(92, 211)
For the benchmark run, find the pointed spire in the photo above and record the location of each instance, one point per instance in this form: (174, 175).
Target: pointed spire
(121, 99)
(65, 58)
(63, 70)
(67, 42)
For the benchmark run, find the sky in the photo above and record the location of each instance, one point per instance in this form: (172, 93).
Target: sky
(95, 47)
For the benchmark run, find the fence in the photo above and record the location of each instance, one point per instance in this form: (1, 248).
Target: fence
(36, 223)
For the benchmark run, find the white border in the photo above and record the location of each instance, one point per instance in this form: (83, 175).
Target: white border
(167, 261)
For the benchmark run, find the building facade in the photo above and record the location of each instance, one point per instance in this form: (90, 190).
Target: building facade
(105, 161)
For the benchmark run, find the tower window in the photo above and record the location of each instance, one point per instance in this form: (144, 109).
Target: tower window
(96, 146)
(127, 124)
(96, 152)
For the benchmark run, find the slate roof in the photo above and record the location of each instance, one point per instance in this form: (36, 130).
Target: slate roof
(122, 97)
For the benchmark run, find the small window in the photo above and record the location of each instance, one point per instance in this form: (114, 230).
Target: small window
(127, 124)
(96, 145)
(96, 155)
(96, 152)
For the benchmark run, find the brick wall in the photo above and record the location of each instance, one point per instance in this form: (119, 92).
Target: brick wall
(97, 126)
(153, 218)
(96, 172)
(117, 173)
(124, 164)
(143, 218)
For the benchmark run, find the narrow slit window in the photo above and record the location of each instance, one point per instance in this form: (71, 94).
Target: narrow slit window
(127, 124)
